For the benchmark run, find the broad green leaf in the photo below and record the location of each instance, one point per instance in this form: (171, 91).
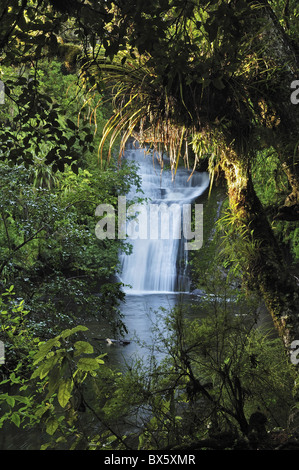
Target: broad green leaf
(10, 401)
(45, 446)
(45, 348)
(88, 364)
(52, 425)
(68, 332)
(65, 392)
(83, 347)
(54, 378)
(44, 368)
(47, 366)
(16, 419)
(41, 411)
(21, 399)
(36, 372)
(99, 359)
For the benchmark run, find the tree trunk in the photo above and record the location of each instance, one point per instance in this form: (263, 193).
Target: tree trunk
(265, 269)
(293, 179)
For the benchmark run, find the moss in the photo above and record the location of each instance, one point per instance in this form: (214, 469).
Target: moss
(200, 260)
(69, 53)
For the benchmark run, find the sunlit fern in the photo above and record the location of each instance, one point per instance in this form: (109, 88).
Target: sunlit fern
(42, 175)
(142, 109)
(171, 121)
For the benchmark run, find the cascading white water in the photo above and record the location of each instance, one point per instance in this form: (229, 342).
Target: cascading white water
(156, 264)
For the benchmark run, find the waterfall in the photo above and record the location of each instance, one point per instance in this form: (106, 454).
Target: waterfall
(158, 260)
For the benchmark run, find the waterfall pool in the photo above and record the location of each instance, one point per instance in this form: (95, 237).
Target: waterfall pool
(142, 314)
(155, 274)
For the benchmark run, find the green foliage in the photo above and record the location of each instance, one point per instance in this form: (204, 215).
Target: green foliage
(46, 386)
(25, 135)
(269, 179)
(16, 333)
(65, 366)
(200, 261)
(288, 234)
(217, 372)
(288, 14)
(20, 344)
(47, 219)
(272, 188)
(295, 243)
(37, 375)
(239, 247)
(50, 253)
(48, 245)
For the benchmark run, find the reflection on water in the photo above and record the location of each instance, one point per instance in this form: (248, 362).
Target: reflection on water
(142, 313)
(140, 317)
